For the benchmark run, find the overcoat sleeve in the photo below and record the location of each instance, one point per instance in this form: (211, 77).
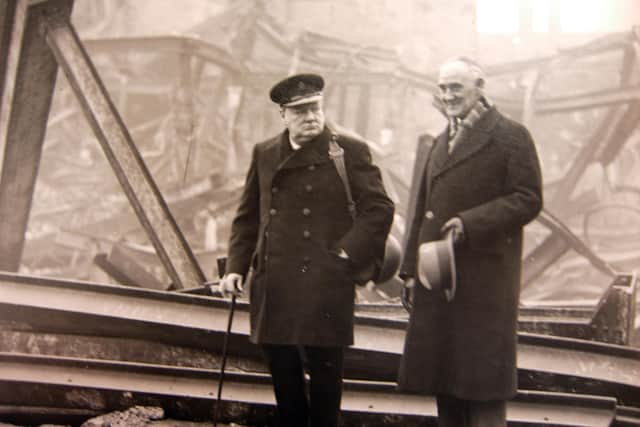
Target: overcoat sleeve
(245, 226)
(522, 198)
(366, 238)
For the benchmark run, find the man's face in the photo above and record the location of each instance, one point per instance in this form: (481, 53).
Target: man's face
(458, 89)
(305, 121)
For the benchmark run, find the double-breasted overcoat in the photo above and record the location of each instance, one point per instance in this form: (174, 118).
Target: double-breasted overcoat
(467, 347)
(291, 221)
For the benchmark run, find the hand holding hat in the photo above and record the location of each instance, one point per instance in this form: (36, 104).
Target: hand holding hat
(456, 228)
(436, 260)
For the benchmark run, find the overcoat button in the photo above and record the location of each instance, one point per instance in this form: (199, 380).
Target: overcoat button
(274, 189)
(272, 212)
(304, 268)
(429, 215)
(312, 167)
(306, 211)
(308, 188)
(306, 234)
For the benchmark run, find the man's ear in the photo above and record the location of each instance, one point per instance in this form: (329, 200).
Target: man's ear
(282, 112)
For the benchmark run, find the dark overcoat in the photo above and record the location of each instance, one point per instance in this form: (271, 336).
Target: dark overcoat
(467, 347)
(291, 220)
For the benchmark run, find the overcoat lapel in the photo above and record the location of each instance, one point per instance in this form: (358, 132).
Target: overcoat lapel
(474, 140)
(275, 156)
(417, 194)
(438, 159)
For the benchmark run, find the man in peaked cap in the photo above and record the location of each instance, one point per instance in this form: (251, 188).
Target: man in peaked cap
(479, 180)
(294, 236)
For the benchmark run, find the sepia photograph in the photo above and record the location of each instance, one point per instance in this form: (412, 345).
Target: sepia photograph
(319, 213)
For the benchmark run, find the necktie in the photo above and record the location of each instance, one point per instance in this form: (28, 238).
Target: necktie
(454, 127)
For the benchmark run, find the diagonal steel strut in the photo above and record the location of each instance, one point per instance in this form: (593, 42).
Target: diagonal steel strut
(127, 163)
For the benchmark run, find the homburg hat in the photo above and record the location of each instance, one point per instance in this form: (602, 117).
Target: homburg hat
(437, 266)
(391, 260)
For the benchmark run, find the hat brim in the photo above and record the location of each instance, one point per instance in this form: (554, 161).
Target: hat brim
(305, 100)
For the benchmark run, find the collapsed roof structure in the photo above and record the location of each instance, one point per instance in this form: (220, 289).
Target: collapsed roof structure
(193, 130)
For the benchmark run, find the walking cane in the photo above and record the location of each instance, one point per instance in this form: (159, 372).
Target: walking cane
(216, 414)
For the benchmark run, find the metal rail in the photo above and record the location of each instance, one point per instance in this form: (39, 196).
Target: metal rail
(196, 321)
(248, 398)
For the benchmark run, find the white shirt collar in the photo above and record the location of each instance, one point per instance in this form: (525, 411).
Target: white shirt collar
(294, 145)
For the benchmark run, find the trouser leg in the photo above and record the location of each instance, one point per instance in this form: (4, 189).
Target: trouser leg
(454, 412)
(287, 375)
(488, 414)
(451, 412)
(325, 393)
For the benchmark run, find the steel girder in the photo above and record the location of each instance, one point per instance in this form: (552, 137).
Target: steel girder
(563, 364)
(129, 167)
(29, 71)
(36, 38)
(248, 398)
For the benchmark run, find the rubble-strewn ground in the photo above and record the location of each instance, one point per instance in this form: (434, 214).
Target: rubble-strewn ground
(137, 416)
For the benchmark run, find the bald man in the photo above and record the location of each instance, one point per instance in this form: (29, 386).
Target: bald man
(480, 180)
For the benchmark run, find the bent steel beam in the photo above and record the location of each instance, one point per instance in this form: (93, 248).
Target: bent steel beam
(248, 398)
(601, 137)
(127, 163)
(29, 70)
(560, 364)
(554, 246)
(597, 99)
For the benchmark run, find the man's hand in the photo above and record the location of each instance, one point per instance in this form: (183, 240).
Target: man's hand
(231, 284)
(407, 293)
(456, 227)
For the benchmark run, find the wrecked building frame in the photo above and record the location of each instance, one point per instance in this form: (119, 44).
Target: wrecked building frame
(61, 46)
(37, 39)
(38, 59)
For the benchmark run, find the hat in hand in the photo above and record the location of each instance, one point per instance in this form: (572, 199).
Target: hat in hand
(437, 266)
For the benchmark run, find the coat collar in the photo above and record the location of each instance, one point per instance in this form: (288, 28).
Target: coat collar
(475, 140)
(279, 155)
(313, 152)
